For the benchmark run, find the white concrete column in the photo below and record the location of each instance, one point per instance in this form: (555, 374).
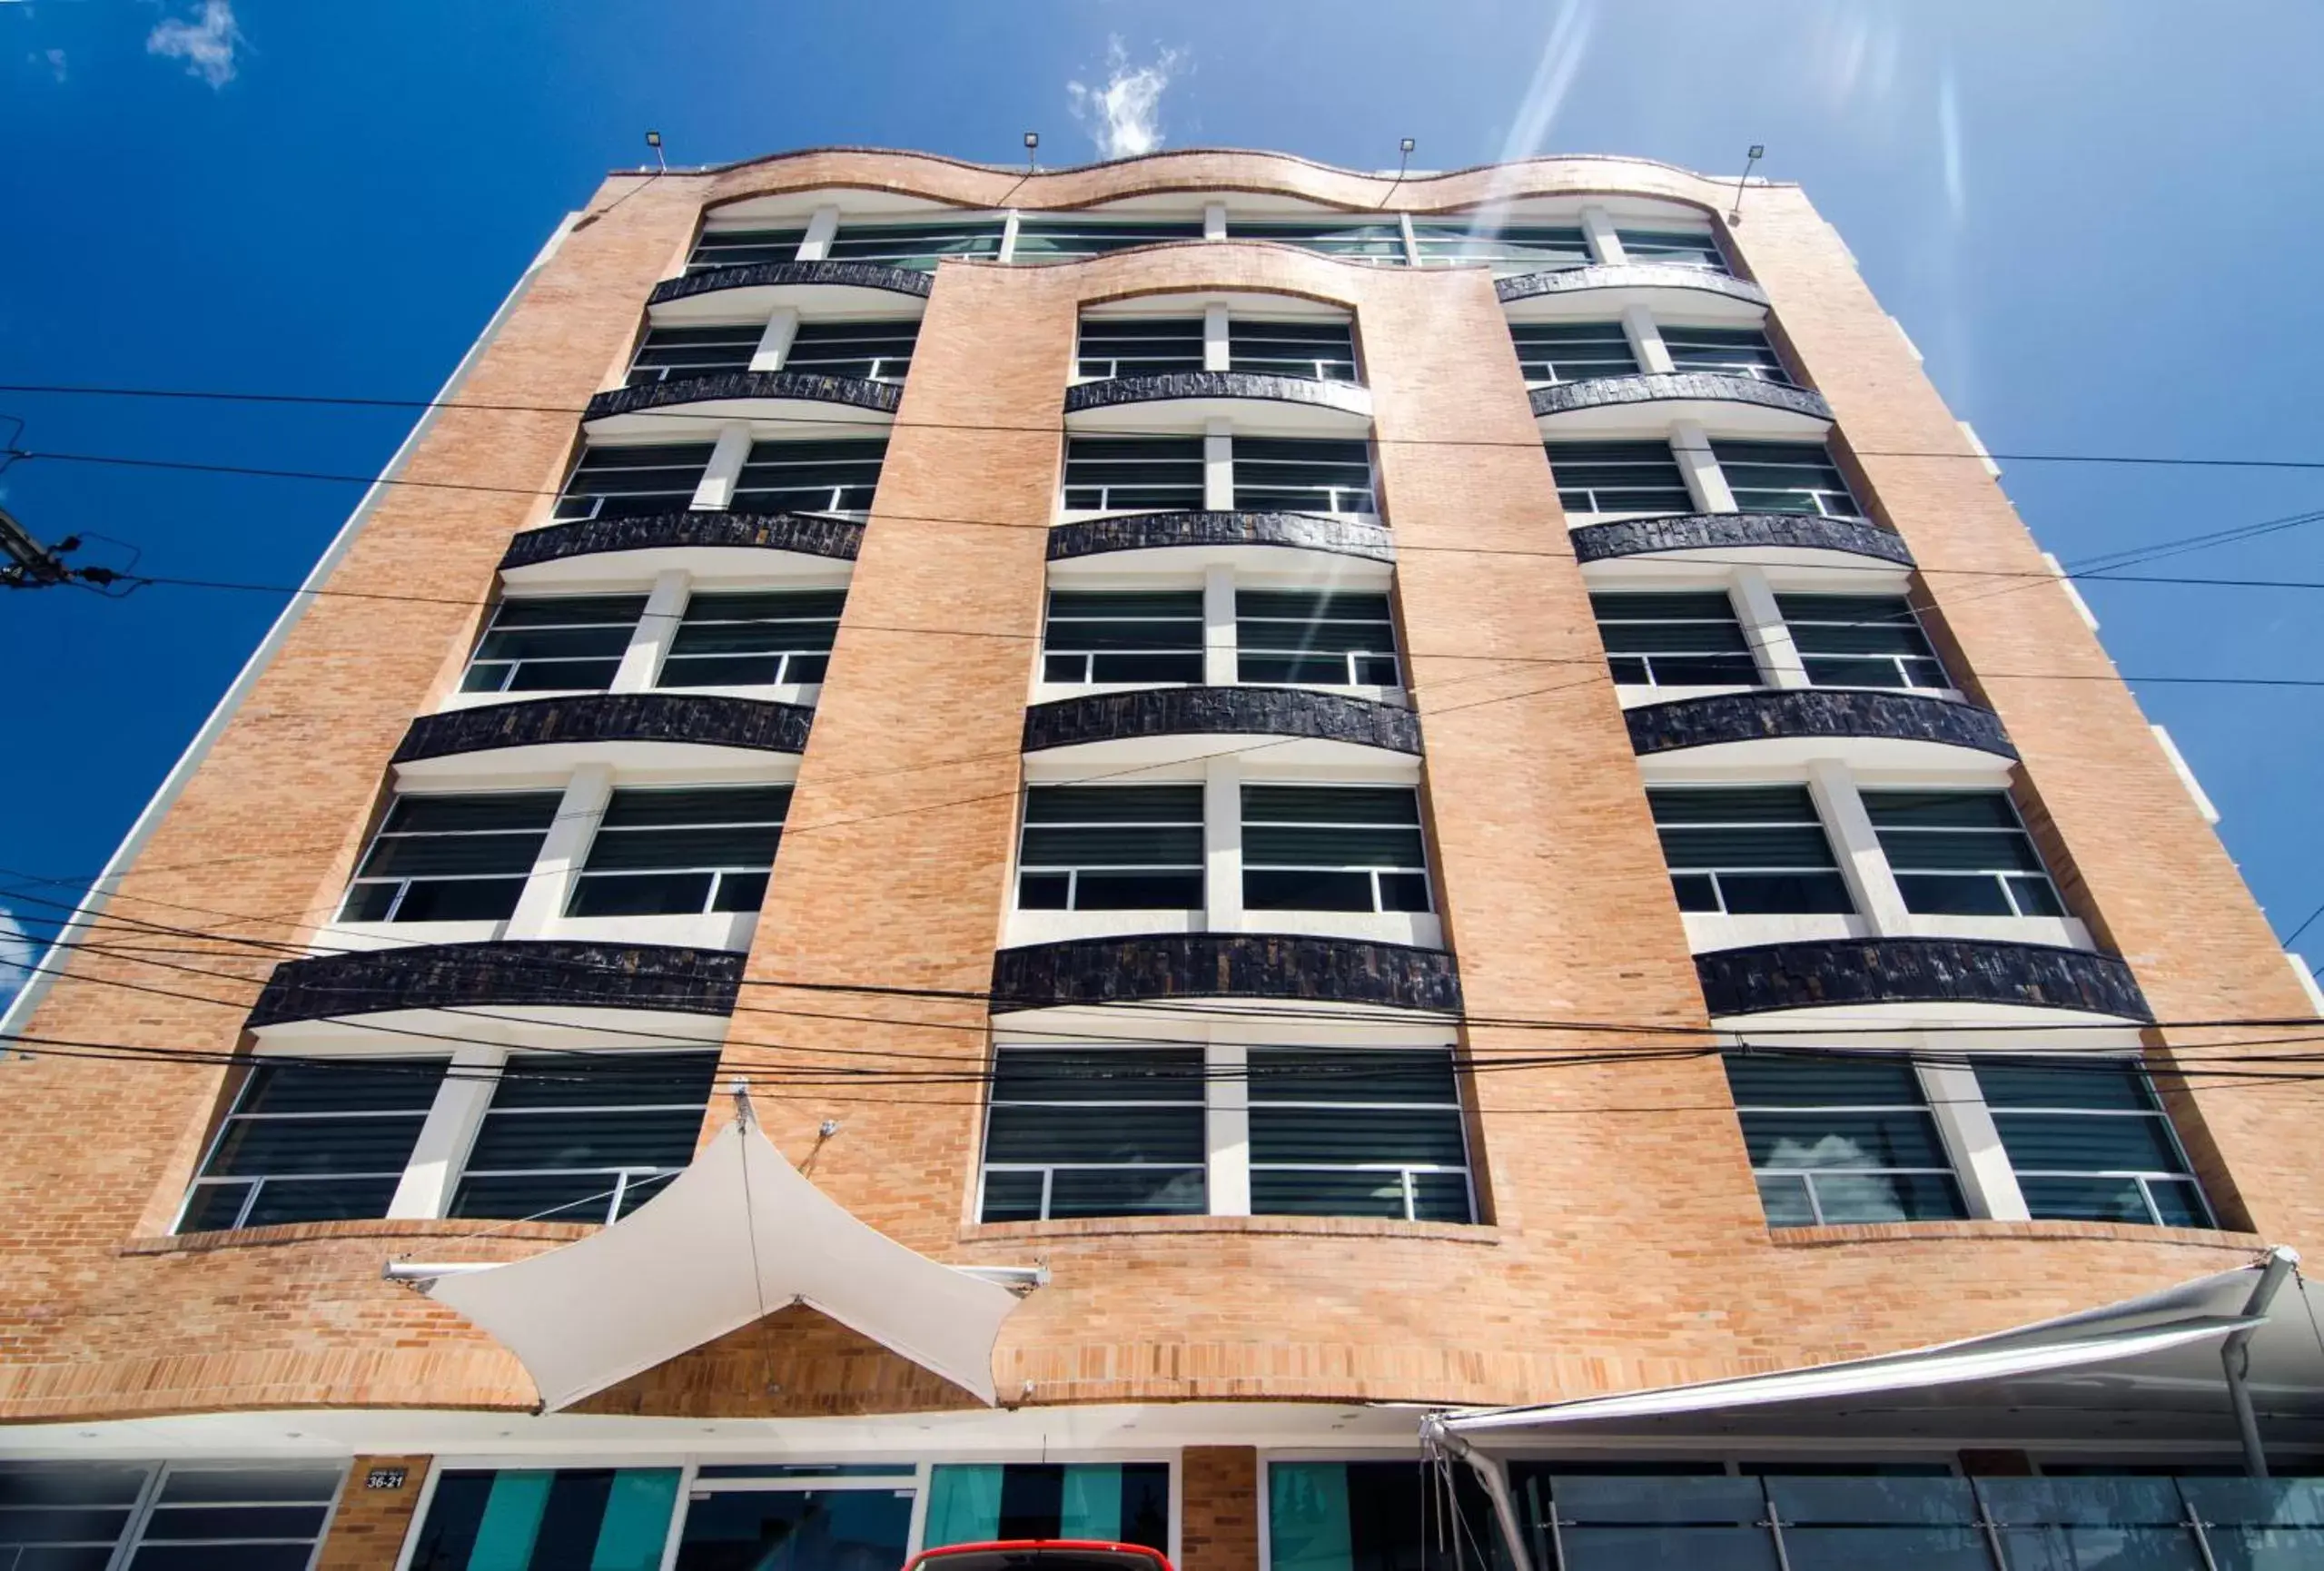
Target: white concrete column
(1217, 467)
(716, 492)
(665, 604)
(1219, 648)
(1226, 1128)
(1218, 353)
(1605, 245)
(1692, 448)
(1986, 1178)
(1215, 221)
(1222, 845)
(447, 1132)
(1762, 623)
(1646, 340)
(1411, 240)
(1854, 841)
(562, 852)
(815, 245)
(775, 343)
(1008, 252)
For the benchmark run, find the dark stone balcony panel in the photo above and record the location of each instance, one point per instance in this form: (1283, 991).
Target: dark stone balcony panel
(1220, 711)
(1627, 275)
(838, 538)
(1163, 531)
(511, 974)
(1728, 531)
(748, 386)
(1866, 970)
(1268, 965)
(697, 719)
(1348, 398)
(1678, 386)
(786, 274)
(1772, 713)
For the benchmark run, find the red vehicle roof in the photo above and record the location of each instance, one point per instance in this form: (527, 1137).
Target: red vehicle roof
(1042, 1555)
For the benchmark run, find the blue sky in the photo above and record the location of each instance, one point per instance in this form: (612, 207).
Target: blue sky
(2098, 220)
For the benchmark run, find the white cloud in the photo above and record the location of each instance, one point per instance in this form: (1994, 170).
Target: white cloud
(207, 45)
(1125, 116)
(54, 59)
(16, 954)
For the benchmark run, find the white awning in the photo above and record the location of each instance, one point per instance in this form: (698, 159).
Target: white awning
(2151, 1361)
(736, 1236)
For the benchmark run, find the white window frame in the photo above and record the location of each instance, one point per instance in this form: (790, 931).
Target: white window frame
(1221, 583)
(1222, 772)
(541, 906)
(1837, 787)
(1227, 1043)
(1218, 437)
(666, 594)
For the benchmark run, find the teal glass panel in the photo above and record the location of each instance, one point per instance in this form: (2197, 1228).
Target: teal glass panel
(1092, 1508)
(511, 1522)
(637, 1520)
(964, 1505)
(1307, 1507)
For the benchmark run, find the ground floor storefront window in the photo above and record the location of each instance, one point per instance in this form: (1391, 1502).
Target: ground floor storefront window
(1712, 1516)
(775, 1516)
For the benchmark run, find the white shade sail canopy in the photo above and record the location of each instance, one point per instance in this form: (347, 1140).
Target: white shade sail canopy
(2148, 1366)
(735, 1237)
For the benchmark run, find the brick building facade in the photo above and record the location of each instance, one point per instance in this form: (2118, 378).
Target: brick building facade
(1154, 716)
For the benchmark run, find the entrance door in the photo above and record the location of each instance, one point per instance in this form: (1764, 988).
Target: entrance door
(859, 1529)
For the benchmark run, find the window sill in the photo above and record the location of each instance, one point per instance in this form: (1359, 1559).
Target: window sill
(1988, 1229)
(451, 1227)
(1483, 1233)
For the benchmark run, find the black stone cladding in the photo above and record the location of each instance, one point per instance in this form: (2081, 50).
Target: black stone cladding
(839, 538)
(1699, 531)
(1347, 396)
(1861, 971)
(1663, 387)
(1085, 971)
(1777, 712)
(855, 391)
(773, 274)
(1225, 711)
(473, 975)
(1157, 531)
(710, 719)
(1626, 275)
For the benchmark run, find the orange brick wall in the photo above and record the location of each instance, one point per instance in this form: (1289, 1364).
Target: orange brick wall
(1625, 1246)
(367, 1530)
(1218, 1526)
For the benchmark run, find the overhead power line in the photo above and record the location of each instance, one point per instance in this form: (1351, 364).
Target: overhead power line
(1247, 1009)
(337, 401)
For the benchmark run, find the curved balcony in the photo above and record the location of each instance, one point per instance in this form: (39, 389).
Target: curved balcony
(558, 987)
(1785, 726)
(1085, 972)
(707, 543)
(684, 409)
(1738, 406)
(1221, 537)
(1604, 289)
(819, 288)
(1769, 538)
(1857, 973)
(1149, 724)
(639, 729)
(1281, 405)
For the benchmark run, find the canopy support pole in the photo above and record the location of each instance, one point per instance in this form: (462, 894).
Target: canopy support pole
(1433, 1433)
(2235, 1357)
